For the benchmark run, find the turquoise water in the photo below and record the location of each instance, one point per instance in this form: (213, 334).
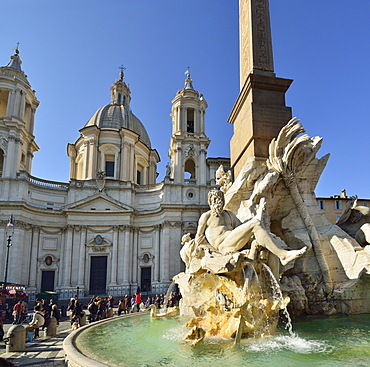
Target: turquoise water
(140, 341)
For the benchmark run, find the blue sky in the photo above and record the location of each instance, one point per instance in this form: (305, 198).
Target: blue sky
(71, 51)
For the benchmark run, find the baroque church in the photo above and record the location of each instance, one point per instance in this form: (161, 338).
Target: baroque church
(112, 229)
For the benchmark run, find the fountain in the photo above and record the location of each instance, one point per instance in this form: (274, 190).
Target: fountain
(244, 272)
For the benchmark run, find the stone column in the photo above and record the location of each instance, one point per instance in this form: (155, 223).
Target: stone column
(165, 252)
(113, 276)
(124, 162)
(68, 256)
(34, 256)
(90, 162)
(16, 253)
(127, 256)
(157, 267)
(135, 256)
(202, 167)
(176, 120)
(82, 258)
(93, 164)
(11, 101)
(16, 103)
(22, 104)
(202, 121)
(62, 261)
(179, 176)
(9, 162)
(132, 164)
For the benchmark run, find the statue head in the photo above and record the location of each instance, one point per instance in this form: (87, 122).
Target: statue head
(216, 201)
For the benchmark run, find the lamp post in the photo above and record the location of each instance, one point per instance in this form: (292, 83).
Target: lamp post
(10, 232)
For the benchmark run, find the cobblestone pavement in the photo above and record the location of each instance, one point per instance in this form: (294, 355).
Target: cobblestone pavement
(42, 352)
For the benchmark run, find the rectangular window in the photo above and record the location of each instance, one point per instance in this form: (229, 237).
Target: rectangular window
(138, 177)
(190, 121)
(322, 204)
(337, 204)
(109, 165)
(109, 169)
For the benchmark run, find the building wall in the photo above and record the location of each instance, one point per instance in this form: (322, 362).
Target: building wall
(333, 206)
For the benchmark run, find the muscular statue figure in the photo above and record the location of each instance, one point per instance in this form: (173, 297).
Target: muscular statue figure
(224, 232)
(356, 221)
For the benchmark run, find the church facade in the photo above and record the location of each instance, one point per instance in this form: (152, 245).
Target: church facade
(112, 228)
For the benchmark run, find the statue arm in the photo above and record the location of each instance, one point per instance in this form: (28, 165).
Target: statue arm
(202, 226)
(363, 210)
(351, 204)
(235, 220)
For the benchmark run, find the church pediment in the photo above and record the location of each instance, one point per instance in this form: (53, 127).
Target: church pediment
(98, 202)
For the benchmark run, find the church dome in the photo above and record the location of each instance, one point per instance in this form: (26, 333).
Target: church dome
(117, 116)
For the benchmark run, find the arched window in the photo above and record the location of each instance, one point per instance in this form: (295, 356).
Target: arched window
(142, 166)
(189, 170)
(109, 160)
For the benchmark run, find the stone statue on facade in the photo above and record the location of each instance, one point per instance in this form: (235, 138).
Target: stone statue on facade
(168, 170)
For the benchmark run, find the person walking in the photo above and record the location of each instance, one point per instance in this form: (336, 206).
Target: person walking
(55, 312)
(17, 313)
(71, 305)
(121, 307)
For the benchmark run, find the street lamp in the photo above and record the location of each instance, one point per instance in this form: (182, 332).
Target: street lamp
(9, 232)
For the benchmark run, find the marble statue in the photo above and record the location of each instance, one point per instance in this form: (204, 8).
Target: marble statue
(168, 170)
(223, 179)
(265, 246)
(355, 220)
(224, 232)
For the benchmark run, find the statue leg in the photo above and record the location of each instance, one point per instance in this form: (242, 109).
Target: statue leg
(264, 238)
(237, 238)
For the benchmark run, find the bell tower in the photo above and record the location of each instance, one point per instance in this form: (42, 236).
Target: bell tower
(18, 105)
(189, 143)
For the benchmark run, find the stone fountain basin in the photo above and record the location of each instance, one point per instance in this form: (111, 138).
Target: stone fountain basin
(73, 356)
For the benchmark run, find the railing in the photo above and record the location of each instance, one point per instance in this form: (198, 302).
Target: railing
(48, 184)
(190, 181)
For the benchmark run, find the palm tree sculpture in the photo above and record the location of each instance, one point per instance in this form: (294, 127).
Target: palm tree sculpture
(290, 155)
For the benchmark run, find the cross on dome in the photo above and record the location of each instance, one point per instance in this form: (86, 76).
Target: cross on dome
(121, 74)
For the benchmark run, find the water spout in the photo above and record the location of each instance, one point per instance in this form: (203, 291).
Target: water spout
(279, 296)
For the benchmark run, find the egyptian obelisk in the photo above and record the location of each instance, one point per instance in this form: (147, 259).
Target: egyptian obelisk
(259, 111)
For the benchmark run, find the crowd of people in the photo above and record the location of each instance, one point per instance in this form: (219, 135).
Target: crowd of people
(43, 312)
(99, 308)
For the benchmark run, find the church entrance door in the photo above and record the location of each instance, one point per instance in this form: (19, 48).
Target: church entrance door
(98, 275)
(146, 279)
(47, 280)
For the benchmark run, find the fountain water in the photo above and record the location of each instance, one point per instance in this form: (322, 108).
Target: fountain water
(230, 293)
